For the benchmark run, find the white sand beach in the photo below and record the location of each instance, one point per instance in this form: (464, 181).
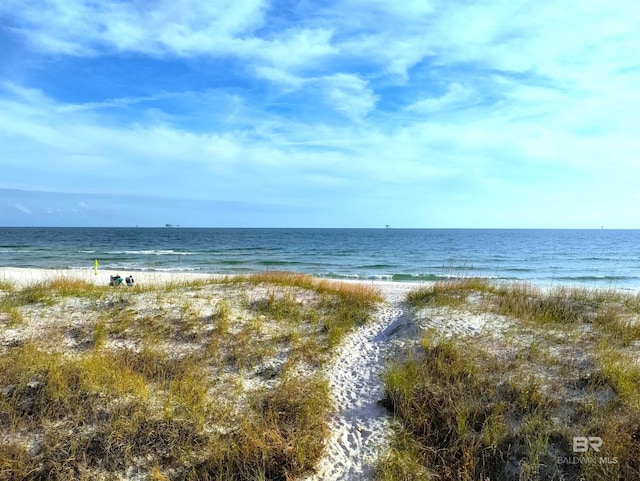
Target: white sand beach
(25, 276)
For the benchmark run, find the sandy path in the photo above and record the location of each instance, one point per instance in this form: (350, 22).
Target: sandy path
(359, 429)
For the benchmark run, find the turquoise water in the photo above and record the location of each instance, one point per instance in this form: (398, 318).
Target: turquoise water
(595, 258)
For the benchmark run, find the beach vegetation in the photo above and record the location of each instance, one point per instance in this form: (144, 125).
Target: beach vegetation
(10, 315)
(194, 381)
(44, 292)
(353, 293)
(447, 293)
(222, 316)
(503, 407)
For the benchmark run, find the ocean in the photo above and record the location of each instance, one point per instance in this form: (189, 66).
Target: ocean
(592, 258)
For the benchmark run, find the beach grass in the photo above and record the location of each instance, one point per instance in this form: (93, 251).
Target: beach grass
(508, 406)
(206, 380)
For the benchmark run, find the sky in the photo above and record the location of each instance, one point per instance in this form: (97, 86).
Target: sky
(349, 113)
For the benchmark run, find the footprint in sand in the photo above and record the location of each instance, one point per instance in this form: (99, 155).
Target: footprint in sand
(360, 427)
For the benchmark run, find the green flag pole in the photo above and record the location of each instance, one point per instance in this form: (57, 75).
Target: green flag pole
(95, 266)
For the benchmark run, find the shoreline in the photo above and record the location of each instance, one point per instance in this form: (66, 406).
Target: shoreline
(542, 259)
(25, 276)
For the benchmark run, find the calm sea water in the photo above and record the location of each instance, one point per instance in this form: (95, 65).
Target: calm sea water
(594, 258)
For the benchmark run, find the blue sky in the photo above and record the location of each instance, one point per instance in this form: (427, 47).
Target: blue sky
(345, 113)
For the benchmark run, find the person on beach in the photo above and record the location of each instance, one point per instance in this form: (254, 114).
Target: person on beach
(129, 281)
(115, 281)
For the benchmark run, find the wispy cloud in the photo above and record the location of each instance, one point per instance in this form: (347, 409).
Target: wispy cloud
(22, 208)
(456, 95)
(79, 27)
(349, 95)
(117, 102)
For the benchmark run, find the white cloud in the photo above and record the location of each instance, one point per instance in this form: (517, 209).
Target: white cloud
(455, 95)
(391, 52)
(179, 28)
(571, 41)
(291, 49)
(349, 95)
(561, 41)
(281, 77)
(117, 102)
(184, 29)
(77, 150)
(409, 10)
(22, 208)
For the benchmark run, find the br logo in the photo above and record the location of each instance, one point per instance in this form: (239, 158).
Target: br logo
(582, 444)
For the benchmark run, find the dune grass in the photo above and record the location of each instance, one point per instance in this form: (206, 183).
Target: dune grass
(345, 305)
(45, 293)
(447, 293)
(6, 285)
(507, 408)
(213, 380)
